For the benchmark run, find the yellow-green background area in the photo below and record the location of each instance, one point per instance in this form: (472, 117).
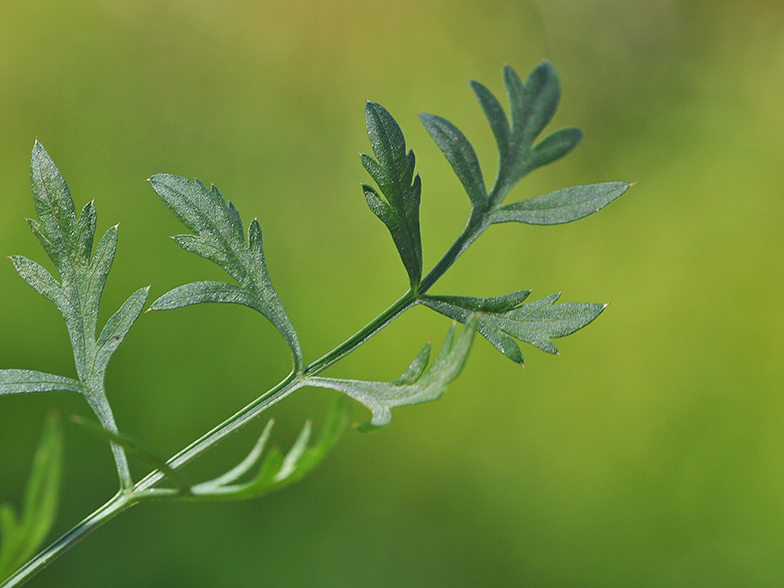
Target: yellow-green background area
(650, 454)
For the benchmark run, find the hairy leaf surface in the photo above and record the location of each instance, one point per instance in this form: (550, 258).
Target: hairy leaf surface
(30, 381)
(393, 171)
(219, 237)
(68, 241)
(416, 385)
(532, 105)
(561, 206)
(535, 322)
(460, 154)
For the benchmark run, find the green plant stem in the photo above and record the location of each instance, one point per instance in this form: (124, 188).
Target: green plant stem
(230, 425)
(475, 226)
(145, 488)
(397, 308)
(103, 411)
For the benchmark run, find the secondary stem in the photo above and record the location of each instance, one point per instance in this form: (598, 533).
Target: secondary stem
(397, 308)
(230, 425)
(475, 226)
(145, 487)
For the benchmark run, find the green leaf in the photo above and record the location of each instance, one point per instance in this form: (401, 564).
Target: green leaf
(276, 470)
(23, 536)
(203, 292)
(394, 174)
(219, 238)
(493, 304)
(535, 322)
(416, 385)
(460, 154)
(54, 206)
(29, 381)
(117, 327)
(241, 468)
(561, 206)
(68, 241)
(42, 282)
(496, 117)
(532, 105)
(553, 147)
(135, 447)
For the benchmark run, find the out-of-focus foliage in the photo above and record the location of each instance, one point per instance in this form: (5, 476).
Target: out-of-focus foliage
(22, 534)
(648, 454)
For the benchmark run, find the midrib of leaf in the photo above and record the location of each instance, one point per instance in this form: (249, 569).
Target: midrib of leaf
(228, 242)
(396, 166)
(78, 330)
(400, 188)
(519, 142)
(68, 240)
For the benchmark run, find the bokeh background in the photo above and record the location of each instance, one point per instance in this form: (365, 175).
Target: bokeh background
(651, 453)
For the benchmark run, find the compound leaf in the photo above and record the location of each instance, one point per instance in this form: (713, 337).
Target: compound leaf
(535, 322)
(219, 238)
(68, 241)
(532, 105)
(416, 385)
(393, 171)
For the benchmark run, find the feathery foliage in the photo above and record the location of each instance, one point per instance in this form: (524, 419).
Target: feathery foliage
(218, 235)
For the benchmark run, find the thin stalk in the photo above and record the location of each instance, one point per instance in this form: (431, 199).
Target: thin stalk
(103, 411)
(475, 226)
(397, 308)
(145, 488)
(230, 425)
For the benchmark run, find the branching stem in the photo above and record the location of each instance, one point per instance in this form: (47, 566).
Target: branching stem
(145, 488)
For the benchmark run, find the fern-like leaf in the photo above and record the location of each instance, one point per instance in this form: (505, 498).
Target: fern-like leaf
(219, 237)
(68, 241)
(394, 174)
(506, 317)
(416, 385)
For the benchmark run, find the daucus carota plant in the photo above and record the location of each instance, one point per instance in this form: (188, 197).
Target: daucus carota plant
(218, 234)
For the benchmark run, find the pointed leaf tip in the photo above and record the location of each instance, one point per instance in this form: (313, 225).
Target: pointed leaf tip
(276, 471)
(461, 155)
(562, 206)
(416, 385)
(532, 105)
(393, 171)
(218, 236)
(535, 322)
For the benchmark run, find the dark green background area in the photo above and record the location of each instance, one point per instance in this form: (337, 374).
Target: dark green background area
(651, 453)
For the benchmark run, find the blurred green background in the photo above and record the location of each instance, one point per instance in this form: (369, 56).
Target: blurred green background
(651, 453)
